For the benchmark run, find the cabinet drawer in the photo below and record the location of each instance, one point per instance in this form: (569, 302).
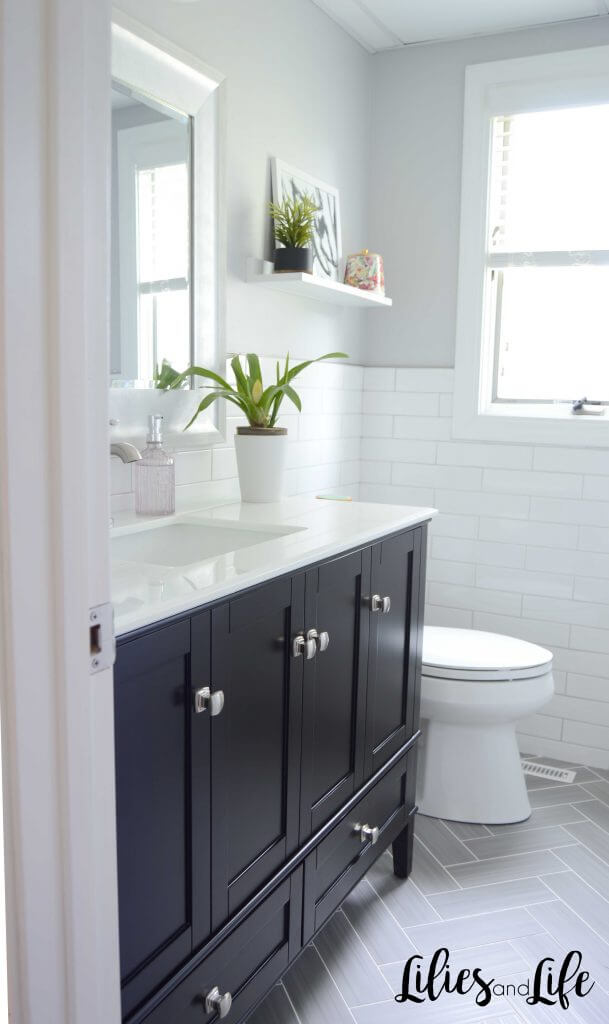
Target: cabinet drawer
(246, 964)
(342, 857)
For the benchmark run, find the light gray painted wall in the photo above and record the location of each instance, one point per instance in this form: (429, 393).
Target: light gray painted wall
(416, 182)
(298, 88)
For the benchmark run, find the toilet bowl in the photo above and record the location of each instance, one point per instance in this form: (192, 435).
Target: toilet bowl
(475, 687)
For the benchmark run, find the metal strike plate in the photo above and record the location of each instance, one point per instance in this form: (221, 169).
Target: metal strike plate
(102, 642)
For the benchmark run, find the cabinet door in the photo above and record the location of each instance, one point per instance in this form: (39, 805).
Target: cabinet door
(154, 821)
(334, 688)
(395, 646)
(256, 740)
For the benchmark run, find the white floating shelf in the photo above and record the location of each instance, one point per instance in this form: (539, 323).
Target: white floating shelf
(308, 286)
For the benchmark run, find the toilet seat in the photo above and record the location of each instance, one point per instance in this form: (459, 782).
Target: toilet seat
(472, 655)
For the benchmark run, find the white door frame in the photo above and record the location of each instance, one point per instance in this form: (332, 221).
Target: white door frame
(57, 719)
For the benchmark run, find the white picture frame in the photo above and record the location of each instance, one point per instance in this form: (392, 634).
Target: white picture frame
(287, 180)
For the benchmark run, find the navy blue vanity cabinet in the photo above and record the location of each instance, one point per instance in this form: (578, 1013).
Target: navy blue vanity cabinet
(265, 758)
(157, 820)
(334, 708)
(396, 636)
(255, 763)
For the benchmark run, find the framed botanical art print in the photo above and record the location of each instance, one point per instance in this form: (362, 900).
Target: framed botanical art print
(289, 182)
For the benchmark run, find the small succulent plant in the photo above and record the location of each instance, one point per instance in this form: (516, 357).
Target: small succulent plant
(294, 221)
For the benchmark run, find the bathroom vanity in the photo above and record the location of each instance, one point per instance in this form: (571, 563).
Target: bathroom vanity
(266, 705)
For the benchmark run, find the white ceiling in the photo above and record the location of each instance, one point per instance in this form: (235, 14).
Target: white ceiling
(387, 24)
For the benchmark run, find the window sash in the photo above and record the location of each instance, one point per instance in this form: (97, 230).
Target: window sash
(565, 258)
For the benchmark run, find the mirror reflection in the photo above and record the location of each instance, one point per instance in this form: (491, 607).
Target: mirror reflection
(151, 274)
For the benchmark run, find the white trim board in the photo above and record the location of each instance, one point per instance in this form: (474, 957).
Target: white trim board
(57, 719)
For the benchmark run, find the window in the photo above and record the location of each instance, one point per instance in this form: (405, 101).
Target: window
(162, 247)
(533, 331)
(548, 254)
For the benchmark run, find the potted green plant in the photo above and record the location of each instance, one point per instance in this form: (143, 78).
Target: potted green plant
(261, 446)
(294, 222)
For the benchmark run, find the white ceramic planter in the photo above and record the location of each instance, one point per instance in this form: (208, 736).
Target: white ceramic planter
(261, 458)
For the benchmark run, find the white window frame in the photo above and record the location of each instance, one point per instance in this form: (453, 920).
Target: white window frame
(151, 65)
(545, 82)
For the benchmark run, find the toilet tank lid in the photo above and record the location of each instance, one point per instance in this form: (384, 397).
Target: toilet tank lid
(473, 650)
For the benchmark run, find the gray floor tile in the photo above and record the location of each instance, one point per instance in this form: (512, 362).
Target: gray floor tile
(349, 962)
(401, 896)
(592, 836)
(494, 960)
(461, 933)
(465, 830)
(573, 933)
(587, 865)
(427, 873)
(505, 869)
(538, 782)
(483, 899)
(441, 842)
(538, 1014)
(452, 1008)
(593, 1008)
(376, 927)
(556, 795)
(599, 790)
(597, 811)
(560, 814)
(276, 1009)
(520, 842)
(582, 899)
(314, 995)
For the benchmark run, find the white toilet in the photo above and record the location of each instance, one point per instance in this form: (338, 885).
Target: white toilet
(475, 686)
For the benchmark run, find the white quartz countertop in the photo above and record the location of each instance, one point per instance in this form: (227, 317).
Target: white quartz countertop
(143, 593)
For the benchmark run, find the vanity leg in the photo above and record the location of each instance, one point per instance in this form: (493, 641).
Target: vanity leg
(402, 851)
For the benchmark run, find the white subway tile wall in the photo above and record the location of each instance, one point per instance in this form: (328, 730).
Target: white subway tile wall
(521, 545)
(324, 443)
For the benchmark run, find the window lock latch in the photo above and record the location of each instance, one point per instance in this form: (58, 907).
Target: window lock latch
(582, 407)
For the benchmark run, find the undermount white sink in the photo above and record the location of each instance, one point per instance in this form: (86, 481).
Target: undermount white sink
(184, 543)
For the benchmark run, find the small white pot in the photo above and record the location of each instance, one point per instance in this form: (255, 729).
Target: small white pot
(261, 458)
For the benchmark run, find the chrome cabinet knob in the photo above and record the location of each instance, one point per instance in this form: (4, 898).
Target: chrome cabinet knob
(367, 832)
(215, 1002)
(307, 646)
(321, 640)
(205, 700)
(380, 604)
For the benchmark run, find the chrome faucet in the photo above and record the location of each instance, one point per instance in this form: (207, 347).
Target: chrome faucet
(125, 451)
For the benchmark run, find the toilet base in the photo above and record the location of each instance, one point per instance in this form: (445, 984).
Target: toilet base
(470, 773)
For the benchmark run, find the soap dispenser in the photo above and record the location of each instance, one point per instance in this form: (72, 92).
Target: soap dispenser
(155, 488)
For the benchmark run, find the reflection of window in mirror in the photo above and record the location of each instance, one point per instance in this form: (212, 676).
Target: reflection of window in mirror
(151, 238)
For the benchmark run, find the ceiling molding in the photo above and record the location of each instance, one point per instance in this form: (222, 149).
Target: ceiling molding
(375, 24)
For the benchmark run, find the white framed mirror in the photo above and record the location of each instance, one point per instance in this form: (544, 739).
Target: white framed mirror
(168, 254)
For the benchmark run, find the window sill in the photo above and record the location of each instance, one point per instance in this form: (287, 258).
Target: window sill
(538, 424)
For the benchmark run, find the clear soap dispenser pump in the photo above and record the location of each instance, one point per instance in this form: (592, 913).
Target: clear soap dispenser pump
(155, 490)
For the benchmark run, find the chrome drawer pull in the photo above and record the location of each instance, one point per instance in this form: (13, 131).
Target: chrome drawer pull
(205, 700)
(217, 1003)
(367, 832)
(380, 604)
